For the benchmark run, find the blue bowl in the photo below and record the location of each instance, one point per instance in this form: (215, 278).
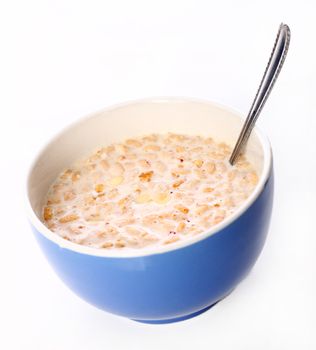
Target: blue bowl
(164, 284)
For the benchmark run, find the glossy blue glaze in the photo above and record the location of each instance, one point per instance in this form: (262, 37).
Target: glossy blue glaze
(173, 284)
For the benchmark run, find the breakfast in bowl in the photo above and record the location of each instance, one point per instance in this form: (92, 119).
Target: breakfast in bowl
(140, 213)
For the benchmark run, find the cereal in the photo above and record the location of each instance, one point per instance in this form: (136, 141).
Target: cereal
(119, 244)
(161, 197)
(133, 143)
(252, 178)
(177, 183)
(113, 193)
(198, 162)
(107, 245)
(183, 209)
(104, 164)
(99, 188)
(152, 148)
(48, 214)
(180, 149)
(208, 189)
(144, 163)
(201, 209)
(147, 191)
(210, 167)
(181, 226)
(173, 238)
(143, 198)
(115, 181)
(68, 218)
(146, 177)
(75, 176)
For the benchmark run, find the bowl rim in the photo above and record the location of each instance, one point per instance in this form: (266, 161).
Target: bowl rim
(136, 253)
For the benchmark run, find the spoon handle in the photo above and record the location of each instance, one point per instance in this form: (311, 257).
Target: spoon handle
(269, 78)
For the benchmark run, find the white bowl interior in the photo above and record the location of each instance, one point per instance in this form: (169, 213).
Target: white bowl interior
(161, 115)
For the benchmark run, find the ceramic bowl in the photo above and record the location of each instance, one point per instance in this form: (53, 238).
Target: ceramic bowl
(168, 283)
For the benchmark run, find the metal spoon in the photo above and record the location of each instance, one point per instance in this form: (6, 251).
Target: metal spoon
(269, 78)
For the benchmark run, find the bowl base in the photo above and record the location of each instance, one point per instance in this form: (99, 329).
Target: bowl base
(177, 319)
(183, 318)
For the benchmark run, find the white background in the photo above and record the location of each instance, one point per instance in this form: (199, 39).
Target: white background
(63, 59)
